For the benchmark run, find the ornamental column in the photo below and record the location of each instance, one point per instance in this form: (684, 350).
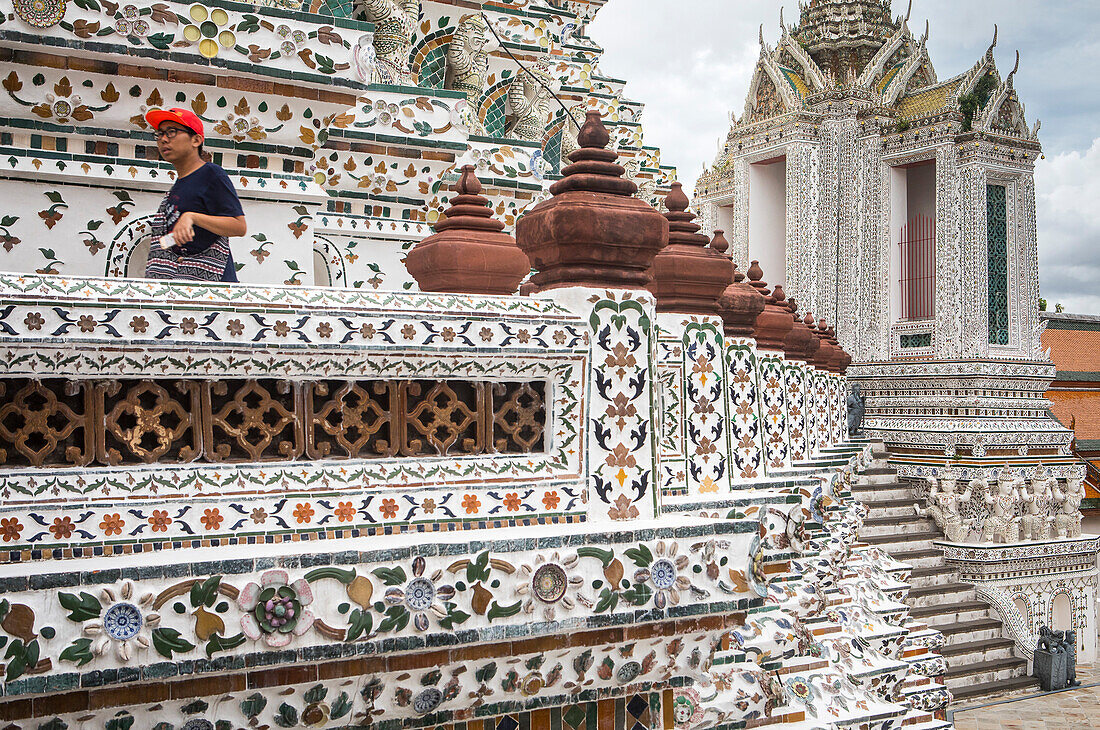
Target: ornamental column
(592, 245)
(798, 347)
(688, 277)
(740, 305)
(772, 327)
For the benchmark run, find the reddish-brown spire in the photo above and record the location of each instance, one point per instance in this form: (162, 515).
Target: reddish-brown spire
(720, 244)
(825, 350)
(469, 252)
(740, 303)
(813, 344)
(800, 338)
(775, 322)
(688, 275)
(841, 359)
(592, 232)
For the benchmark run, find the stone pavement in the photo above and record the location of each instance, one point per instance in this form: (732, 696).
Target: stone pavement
(1068, 710)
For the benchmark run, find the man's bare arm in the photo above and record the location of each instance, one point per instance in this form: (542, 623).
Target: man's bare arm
(219, 225)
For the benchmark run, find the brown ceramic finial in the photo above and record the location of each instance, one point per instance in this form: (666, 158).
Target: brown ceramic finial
(756, 274)
(592, 232)
(825, 349)
(688, 275)
(469, 252)
(813, 344)
(797, 344)
(740, 305)
(775, 323)
(827, 356)
(719, 242)
(841, 359)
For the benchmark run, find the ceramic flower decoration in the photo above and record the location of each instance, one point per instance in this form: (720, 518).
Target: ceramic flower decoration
(421, 595)
(664, 575)
(123, 623)
(275, 609)
(547, 584)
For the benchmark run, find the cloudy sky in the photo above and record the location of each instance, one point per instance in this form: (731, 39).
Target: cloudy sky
(690, 62)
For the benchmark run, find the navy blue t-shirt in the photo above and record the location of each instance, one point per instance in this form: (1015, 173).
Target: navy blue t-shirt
(207, 190)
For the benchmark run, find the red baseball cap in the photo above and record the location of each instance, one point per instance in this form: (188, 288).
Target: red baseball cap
(179, 116)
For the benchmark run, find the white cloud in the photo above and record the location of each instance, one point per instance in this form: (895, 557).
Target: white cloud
(1068, 192)
(690, 63)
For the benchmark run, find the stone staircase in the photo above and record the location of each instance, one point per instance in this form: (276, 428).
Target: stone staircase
(981, 660)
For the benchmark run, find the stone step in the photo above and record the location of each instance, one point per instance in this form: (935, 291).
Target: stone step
(911, 540)
(892, 489)
(967, 652)
(970, 692)
(896, 525)
(941, 593)
(932, 575)
(961, 632)
(954, 612)
(918, 557)
(996, 670)
(901, 507)
(878, 476)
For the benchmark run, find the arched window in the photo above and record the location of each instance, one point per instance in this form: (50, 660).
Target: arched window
(1061, 613)
(1024, 609)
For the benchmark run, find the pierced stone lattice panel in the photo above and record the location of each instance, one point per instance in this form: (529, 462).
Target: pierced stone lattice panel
(55, 422)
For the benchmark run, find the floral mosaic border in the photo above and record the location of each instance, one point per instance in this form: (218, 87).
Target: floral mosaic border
(440, 593)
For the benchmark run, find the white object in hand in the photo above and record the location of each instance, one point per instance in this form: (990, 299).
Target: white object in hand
(167, 241)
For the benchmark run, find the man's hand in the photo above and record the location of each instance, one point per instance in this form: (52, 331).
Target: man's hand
(184, 230)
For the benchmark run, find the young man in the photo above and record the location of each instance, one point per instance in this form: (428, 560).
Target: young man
(192, 227)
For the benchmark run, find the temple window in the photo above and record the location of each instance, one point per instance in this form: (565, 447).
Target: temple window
(997, 235)
(913, 235)
(768, 217)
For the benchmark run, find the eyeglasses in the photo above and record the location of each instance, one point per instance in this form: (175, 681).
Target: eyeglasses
(169, 133)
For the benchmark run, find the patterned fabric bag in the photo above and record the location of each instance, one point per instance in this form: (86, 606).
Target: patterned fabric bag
(207, 265)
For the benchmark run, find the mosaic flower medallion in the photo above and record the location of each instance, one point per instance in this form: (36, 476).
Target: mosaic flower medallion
(628, 672)
(686, 707)
(800, 688)
(122, 621)
(419, 594)
(40, 13)
(549, 583)
(197, 724)
(427, 701)
(532, 684)
(663, 574)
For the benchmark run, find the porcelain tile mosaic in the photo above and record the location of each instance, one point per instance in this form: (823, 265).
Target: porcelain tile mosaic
(561, 511)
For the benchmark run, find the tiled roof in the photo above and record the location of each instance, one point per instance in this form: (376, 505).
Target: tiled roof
(1081, 409)
(926, 101)
(1073, 350)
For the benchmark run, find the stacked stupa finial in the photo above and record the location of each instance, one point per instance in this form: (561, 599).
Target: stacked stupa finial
(469, 252)
(688, 275)
(592, 232)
